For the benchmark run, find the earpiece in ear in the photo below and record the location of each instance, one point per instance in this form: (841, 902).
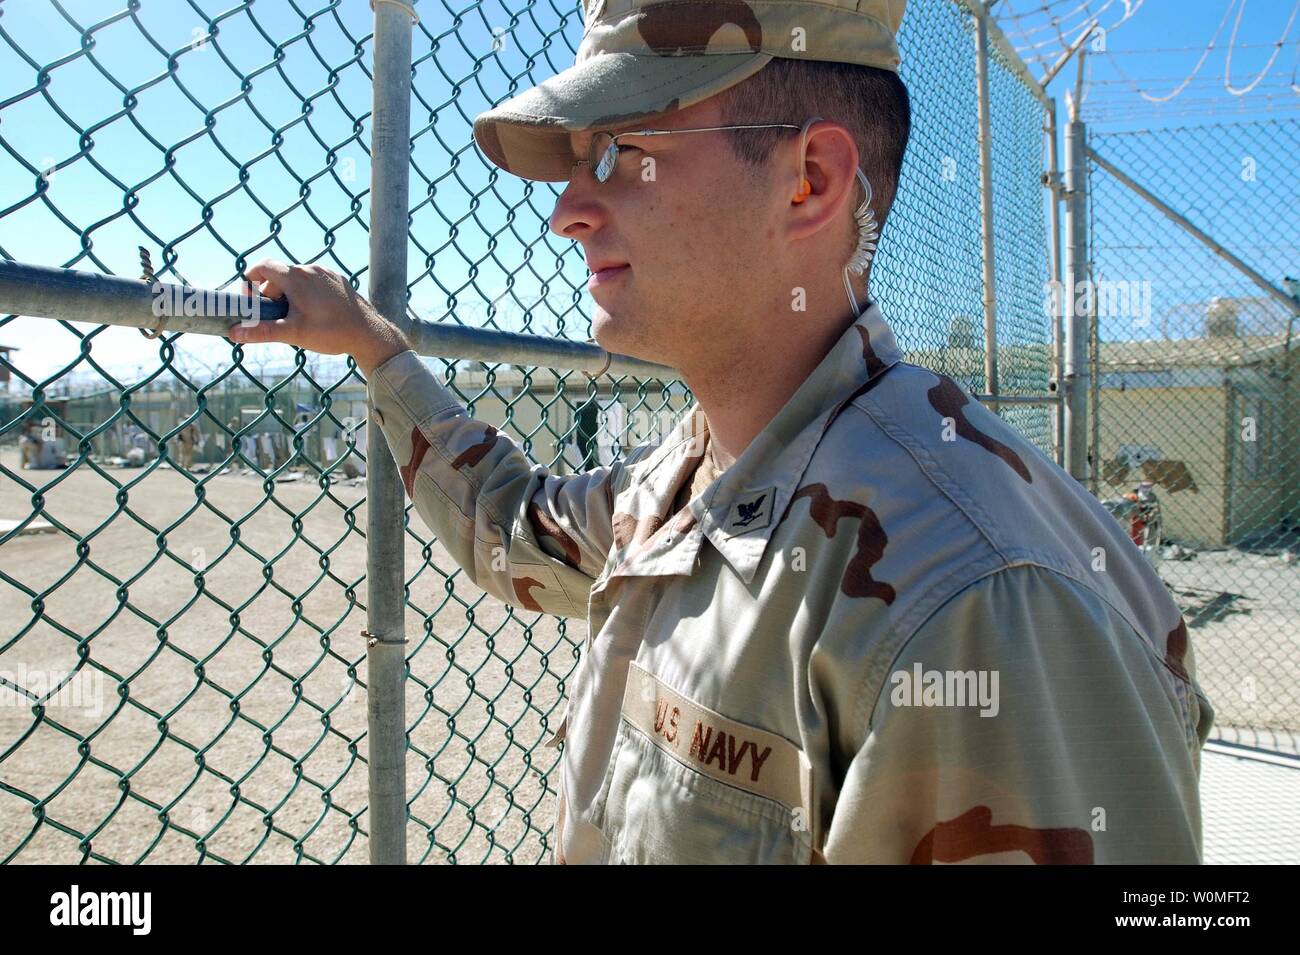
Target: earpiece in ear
(805, 188)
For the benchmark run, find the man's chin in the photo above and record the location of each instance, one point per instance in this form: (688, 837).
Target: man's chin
(612, 333)
(609, 333)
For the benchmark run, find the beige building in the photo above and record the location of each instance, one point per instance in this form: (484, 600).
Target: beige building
(1207, 419)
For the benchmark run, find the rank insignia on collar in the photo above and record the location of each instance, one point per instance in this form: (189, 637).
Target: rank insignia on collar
(751, 511)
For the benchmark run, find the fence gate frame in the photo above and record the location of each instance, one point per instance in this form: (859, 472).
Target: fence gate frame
(385, 631)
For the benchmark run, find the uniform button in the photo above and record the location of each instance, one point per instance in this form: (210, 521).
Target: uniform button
(379, 416)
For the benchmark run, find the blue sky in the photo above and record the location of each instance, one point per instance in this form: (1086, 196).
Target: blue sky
(215, 175)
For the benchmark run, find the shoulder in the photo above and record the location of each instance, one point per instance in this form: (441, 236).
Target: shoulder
(960, 482)
(951, 437)
(950, 493)
(889, 516)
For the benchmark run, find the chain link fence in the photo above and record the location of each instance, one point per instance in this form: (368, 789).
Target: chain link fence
(182, 678)
(1195, 391)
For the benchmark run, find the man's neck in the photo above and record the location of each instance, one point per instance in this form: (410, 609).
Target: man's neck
(742, 390)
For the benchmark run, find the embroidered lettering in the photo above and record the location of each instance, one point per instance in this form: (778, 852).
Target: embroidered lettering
(699, 742)
(666, 715)
(744, 756)
(719, 751)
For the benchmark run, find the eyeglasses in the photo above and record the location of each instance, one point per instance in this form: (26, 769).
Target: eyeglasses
(602, 153)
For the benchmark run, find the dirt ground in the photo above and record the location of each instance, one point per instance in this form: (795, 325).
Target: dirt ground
(1243, 621)
(228, 719)
(223, 724)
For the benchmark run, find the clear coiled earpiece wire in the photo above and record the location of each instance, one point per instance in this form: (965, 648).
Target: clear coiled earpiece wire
(868, 231)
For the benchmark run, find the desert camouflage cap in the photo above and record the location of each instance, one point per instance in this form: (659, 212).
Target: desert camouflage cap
(642, 58)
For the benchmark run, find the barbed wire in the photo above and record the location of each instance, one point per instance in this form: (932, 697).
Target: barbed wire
(1227, 67)
(1148, 50)
(1102, 99)
(1203, 110)
(1201, 81)
(1054, 46)
(1205, 53)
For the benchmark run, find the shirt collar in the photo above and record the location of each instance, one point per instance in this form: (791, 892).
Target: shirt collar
(741, 508)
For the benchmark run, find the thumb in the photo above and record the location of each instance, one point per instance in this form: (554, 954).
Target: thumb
(273, 330)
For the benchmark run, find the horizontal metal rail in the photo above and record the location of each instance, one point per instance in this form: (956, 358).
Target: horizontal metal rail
(75, 296)
(1018, 399)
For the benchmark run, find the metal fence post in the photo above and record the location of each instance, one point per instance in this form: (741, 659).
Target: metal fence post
(1052, 180)
(385, 499)
(986, 205)
(1078, 308)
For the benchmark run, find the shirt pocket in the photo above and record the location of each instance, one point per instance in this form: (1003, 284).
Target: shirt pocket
(654, 806)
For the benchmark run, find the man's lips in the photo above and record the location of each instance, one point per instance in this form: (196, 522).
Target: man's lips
(602, 275)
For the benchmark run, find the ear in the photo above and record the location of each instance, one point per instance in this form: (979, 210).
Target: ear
(826, 178)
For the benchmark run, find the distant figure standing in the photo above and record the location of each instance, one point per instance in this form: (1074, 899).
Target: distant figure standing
(186, 442)
(30, 443)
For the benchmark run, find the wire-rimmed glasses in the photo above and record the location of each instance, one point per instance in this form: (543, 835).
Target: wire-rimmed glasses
(602, 152)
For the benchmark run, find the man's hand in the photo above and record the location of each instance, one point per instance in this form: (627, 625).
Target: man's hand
(326, 315)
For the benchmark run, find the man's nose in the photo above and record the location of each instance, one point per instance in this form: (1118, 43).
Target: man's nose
(578, 211)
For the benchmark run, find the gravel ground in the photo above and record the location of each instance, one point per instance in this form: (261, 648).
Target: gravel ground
(1243, 616)
(218, 754)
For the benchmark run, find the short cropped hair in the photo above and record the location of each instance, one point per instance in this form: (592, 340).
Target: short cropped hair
(871, 103)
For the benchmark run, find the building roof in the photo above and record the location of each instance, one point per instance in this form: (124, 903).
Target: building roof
(1216, 352)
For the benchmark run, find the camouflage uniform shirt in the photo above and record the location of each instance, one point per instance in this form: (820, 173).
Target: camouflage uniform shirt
(892, 630)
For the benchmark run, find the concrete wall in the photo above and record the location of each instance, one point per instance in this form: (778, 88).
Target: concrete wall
(1185, 425)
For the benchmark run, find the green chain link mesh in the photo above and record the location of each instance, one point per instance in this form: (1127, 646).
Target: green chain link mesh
(182, 678)
(1197, 391)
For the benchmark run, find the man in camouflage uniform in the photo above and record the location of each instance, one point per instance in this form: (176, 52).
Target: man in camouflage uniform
(842, 613)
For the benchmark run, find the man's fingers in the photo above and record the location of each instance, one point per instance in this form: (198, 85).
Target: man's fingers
(267, 269)
(268, 289)
(263, 331)
(274, 275)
